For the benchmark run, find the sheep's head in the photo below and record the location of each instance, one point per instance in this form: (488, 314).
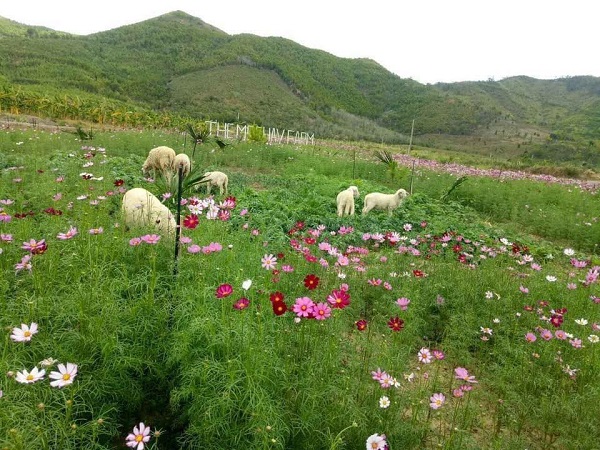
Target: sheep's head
(401, 193)
(354, 191)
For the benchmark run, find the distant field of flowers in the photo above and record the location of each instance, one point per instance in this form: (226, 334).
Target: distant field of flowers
(465, 320)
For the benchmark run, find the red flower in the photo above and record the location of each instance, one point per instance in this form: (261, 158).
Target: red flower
(310, 240)
(299, 225)
(396, 323)
(276, 297)
(418, 273)
(279, 307)
(311, 281)
(561, 311)
(280, 256)
(53, 212)
(224, 290)
(242, 303)
(556, 320)
(361, 325)
(118, 182)
(191, 221)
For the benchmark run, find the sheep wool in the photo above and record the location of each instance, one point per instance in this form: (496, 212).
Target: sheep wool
(218, 179)
(388, 202)
(345, 201)
(183, 160)
(159, 159)
(141, 208)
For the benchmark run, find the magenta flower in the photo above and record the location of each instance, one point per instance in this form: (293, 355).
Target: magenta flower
(139, 437)
(338, 299)
(224, 290)
(303, 307)
(195, 248)
(321, 311)
(437, 400)
(6, 237)
(35, 247)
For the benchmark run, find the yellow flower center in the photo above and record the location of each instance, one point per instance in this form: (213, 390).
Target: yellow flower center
(66, 377)
(139, 438)
(29, 377)
(27, 333)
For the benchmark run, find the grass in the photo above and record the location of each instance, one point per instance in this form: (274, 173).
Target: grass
(480, 272)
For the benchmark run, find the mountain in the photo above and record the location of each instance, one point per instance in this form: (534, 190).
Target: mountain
(178, 64)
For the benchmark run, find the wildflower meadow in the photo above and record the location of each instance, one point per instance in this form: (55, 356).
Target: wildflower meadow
(468, 319)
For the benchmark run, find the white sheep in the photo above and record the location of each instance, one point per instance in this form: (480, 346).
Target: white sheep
(215, 178)
(161, 159)
(387, 202)
(141, 208)
(345, 201)
(183, 160)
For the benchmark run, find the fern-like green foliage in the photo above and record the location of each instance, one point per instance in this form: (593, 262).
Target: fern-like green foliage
(454, 186)
(387, 158)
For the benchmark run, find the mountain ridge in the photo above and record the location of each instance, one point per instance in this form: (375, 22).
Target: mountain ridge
(171, 62)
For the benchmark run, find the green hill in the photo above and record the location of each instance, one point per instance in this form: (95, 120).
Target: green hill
(178, 65)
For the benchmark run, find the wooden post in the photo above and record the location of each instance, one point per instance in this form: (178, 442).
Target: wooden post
(178, 221)
(412, 175)
(412, 129)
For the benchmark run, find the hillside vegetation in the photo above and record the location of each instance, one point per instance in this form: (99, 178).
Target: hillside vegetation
(175, 68)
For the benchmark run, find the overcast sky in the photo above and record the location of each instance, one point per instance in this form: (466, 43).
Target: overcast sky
(426, 40)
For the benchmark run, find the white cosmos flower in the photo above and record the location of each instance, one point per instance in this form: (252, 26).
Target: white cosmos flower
(384, 402)
(26, 377)
(64, 376)
(551, 278)
(581, 321)
(246, 284)
(569, 251)
(24, 333)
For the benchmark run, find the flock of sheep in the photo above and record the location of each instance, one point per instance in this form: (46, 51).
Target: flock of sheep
(141, 208)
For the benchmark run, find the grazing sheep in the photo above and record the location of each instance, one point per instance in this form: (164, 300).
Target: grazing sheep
(390, 202)
(182, 160)
(345, 201)
(218, 179)
(142, 209)
(161, 159)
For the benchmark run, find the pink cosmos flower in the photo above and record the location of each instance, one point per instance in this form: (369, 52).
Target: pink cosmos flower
(321, 311)
(287, 268)
(25, 263)
(6, 237)
(35, 247)
(98, 230)
(560, 334)
(338, 299)
(64, 376)
(403, 303)
(458, 393)
(151, 238)
(303, 307)
(269, 262)
(524, 290)
(139, 437)
(437, 400)
(576, 343)
(135, 241)
(546, 334)
(424, 356)
(224, 290)
(194, 248)
(438, 354)
(25, 333)
(377, 442)
(462, 374)
(530, 337)
(68, 235)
